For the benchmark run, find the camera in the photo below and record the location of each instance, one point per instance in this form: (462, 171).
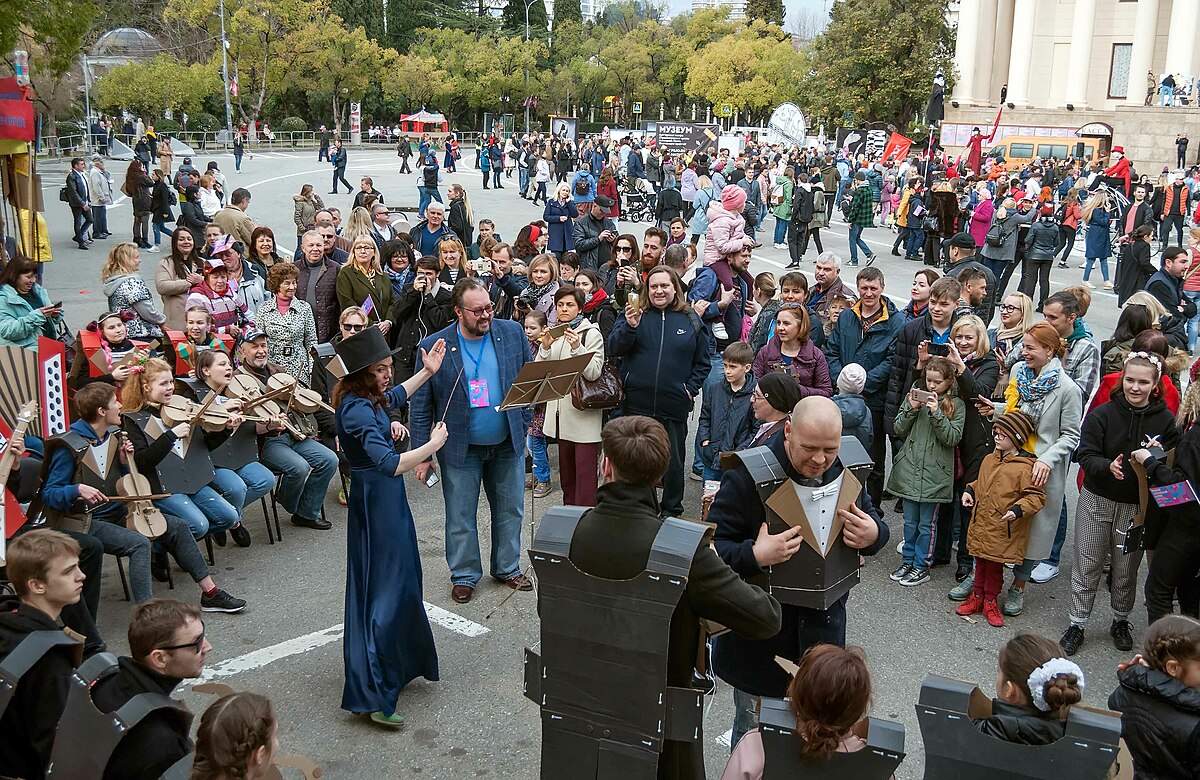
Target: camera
(481, 266)
(940, 350)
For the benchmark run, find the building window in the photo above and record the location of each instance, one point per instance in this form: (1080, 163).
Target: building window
(1118, 71)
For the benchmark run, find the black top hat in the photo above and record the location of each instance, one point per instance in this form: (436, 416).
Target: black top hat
(362, 350)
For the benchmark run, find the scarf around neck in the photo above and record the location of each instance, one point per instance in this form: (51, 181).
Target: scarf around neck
(594, 302)
(530, 296)
(1033, 388)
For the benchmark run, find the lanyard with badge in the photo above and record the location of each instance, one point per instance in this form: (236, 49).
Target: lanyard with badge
(477, 389)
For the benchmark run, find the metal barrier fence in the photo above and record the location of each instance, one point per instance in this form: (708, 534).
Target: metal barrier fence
(78, 144)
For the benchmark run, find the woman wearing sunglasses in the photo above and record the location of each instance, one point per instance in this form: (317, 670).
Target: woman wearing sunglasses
(621, 272)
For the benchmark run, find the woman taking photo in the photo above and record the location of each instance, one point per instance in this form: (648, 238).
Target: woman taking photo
(597, 306)
(1042, 389)
(1016, 315)
(137, 187)
(125, 290)
(288, 324)
(664, 362)
(558, 215)
(263, 253)
(1096, 243)
(176, 275)
(977, 371)
(304, 214)
(363, 278)
(388, 641)
(25, 310)
(1109, 499)
(792, 351)
(161, 200)
(577, 431)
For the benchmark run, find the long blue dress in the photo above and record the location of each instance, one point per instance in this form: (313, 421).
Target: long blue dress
(388, 641)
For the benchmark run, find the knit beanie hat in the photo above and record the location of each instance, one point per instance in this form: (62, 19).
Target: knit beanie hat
(733, 198)
(781, 391)
(852, 379)
(1017, 426)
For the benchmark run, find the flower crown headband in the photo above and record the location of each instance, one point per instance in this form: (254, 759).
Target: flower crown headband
(1154, 360)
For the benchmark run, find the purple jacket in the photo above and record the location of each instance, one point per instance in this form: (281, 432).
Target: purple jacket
(808, 368)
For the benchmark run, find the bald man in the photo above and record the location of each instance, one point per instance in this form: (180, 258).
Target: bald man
(807, 454)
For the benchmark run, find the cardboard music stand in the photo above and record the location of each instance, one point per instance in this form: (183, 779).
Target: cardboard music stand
(544, 380)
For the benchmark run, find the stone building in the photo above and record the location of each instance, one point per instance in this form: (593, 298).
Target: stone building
(1078, 67)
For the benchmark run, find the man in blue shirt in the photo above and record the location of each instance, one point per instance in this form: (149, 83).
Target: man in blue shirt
(486, 447)
(427, 234)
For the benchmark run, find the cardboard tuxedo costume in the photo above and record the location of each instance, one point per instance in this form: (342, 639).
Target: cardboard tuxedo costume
(241, 447)
(96, 465)
(782, 761)
(187, 465)
(601, 676)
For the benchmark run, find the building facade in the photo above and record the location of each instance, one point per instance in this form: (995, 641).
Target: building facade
(1071, 65)
(737, 8)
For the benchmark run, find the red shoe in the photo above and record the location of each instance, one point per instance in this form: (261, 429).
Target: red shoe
(991, 611)
(972, 606)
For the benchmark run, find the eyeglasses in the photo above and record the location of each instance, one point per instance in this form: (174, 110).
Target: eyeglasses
(195, 646)
(353, 328)
(482, 310)
(1007, 308)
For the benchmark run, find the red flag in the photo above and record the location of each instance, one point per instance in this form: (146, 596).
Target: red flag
(233, 89)
(897, 148)
(16, 120)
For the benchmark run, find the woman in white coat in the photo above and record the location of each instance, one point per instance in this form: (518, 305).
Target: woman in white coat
(1041, 388)
(577, 431)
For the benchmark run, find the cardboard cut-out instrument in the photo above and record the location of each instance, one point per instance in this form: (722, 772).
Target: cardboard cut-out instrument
(824, 569)
(12, 516)
(39, 375)
(783, 760)
(1137, 530)
(186, 352)
(955, 748)
(544, 380)
(601, 676)
(141, 514)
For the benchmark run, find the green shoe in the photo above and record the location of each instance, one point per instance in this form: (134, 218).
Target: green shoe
(395, 720)
(342, 497)
(1014, 602)
(962, 590)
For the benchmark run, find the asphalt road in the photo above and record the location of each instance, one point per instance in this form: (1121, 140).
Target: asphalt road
(475, 722)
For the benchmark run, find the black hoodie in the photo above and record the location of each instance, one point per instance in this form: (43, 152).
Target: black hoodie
(29, 723)
(1116, 428)
(159, 740)
(1160, 721)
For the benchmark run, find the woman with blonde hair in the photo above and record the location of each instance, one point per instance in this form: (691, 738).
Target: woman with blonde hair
(357, 224)
(127, 291)
(210, 203)
(307, 204)
(363, 279)
(453, 257)
(543, 283)
(1097, 246)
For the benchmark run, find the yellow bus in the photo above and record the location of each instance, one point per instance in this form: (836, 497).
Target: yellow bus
(1021, 149)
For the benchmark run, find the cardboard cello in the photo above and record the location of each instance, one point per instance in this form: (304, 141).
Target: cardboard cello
(12, 517)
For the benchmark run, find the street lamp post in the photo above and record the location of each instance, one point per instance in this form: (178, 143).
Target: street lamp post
(527, 7)
(225, 75)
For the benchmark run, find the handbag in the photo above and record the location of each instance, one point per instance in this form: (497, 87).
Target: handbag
(930, 223)
(606, 391)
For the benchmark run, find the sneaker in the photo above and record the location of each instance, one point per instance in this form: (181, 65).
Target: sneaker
(1081, 265)
(1072, 639)
(1108, 285)
(221, 602)
(779, 246)
(870, 259)
(159, 565)
(394, 721)
(900, 547)
(915, 577)
(219, 537)
(991, 611)
(963, 571)
(972, 606)
(696, 475)
(1043, 572)
(853, 263)
(529, 482)
(1089, 285)
(153, 248)
(1014, 602)
(1122, 634)
(900, 573)
(241, 537)
(342, 497)
(962, 590)
(541, 490)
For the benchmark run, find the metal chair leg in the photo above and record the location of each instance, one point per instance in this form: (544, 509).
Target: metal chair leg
(124, 582)
(208, 545)
(267, 519)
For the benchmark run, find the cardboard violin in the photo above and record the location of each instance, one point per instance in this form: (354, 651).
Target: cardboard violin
(141, 513)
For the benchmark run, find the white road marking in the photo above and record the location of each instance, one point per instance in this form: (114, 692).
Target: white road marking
(257, 659)
(724, 739)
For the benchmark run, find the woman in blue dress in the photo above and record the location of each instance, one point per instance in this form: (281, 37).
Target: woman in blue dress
(388, 641)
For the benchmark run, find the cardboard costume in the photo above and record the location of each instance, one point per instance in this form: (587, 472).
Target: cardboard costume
(955, 747)
(32, 649)
(782, 761)
(186, 351)
(824, 568)
(84, 725)
(601, 676)
(241, 447)
(96, 465)
(187, 466)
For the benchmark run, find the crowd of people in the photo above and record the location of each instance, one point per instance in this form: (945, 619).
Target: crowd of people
(983, 404)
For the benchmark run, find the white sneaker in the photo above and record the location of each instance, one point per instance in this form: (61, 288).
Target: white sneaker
(1043, 572)
(779, 246)
(153, 248)
(1089, 285)
(900, 547)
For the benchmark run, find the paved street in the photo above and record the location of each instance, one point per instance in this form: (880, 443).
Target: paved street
(475, 722)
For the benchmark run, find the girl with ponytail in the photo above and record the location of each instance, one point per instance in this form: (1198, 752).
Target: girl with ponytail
(237, 740)
(1035, 690)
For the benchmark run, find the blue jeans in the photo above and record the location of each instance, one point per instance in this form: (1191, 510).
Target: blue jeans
(306, 466)
(916, 238)
(499, 470)
(160, 230)
(745, 716)
(496, 177)
(781, 226)
(523, 176)
(1194, 322)
(1060, 536)
(204, 510)
(541, 462)
(243, 487)
(1087, 270)
(428, 195)
(918, 533)
(856, 241)
(715, 374)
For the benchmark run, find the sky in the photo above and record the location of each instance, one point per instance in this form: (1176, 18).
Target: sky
(792, 6)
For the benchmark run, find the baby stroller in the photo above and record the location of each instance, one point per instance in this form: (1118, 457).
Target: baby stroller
(638, 207)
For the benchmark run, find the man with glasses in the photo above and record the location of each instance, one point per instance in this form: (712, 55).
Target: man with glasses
(329, 241)
(167, 645)
(487, 447)
(381, 224)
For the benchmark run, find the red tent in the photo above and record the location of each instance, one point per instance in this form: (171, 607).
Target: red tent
(424, 122)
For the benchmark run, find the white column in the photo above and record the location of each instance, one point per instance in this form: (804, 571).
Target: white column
(1082, 27)
(965, 42)
(1182, 36)
(1002, 44)
(1145, 31)
(985, 49)
(1024, 16)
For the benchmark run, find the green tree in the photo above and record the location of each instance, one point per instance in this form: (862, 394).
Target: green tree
(754, 69)
(52, 31)
(152, 87)
(768, 10)
(878, 58)
(334, 64)
(367, 14)
(566, 11)
(512, 21)
(406, 17)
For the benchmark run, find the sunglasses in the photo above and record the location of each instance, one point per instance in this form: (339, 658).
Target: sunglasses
(353, 328)
(195, 646)
(624, 250)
